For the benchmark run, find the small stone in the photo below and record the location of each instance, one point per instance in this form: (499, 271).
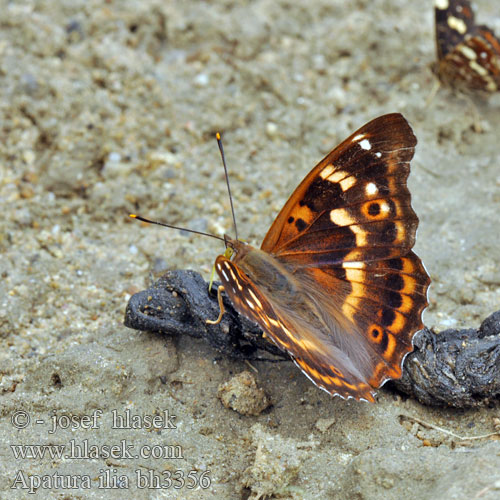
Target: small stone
(160, 158)
(271, 129)
(29, 157)
(242, 395)
(323, 424)
(201, 80)
(496, 424)
(114, 157)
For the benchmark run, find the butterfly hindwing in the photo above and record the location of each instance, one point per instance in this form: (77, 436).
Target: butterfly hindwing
(324, 365)
(383, 301)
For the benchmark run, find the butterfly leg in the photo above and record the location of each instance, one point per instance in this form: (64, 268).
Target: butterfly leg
(221, 307)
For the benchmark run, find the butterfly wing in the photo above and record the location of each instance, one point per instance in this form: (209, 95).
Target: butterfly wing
(468, 55)
(380, 305)
(321, 361)
(354, 205)
(348, 230)
(454, 20)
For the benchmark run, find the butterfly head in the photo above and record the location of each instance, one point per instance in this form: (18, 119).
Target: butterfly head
(234, 247)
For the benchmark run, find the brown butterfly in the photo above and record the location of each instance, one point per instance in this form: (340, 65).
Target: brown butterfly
(468, 54)
(335, 283)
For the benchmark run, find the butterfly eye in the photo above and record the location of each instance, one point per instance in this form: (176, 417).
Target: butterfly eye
(229, 252)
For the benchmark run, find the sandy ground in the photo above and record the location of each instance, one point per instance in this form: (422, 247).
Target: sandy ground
(111, 107)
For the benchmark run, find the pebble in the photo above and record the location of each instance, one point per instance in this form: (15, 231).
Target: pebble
(242, 395)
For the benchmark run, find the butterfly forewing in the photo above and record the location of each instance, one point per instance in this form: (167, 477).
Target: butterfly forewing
(355, 200)
(342, 245)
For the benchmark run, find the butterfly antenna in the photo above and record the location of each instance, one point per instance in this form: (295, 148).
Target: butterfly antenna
(138, 217)
(221, 149)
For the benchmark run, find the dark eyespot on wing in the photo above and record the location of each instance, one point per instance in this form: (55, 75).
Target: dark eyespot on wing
(374, 209)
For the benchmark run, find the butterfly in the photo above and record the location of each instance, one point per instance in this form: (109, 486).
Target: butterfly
(468, 55)
(335, 283)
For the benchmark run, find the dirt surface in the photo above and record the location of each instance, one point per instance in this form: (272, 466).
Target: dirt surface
(111, 107)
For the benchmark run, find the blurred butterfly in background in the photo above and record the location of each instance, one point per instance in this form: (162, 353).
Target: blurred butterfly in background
(335, 283)
(468, 55)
